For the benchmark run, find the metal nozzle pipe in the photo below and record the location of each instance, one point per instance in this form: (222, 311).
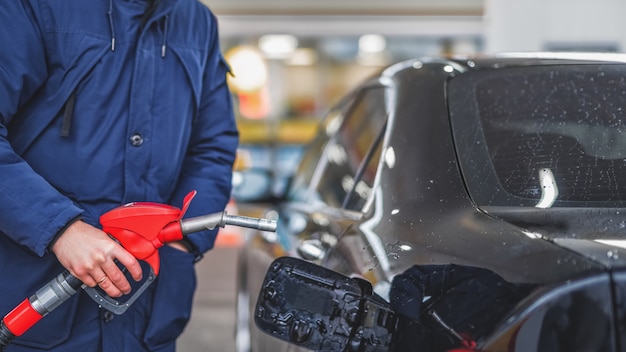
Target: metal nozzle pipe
(253, 223)
(211, 221)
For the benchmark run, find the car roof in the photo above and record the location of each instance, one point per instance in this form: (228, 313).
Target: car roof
(508, 59)
(512, 59)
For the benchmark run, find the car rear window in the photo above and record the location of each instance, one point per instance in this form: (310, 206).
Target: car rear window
(543, 136)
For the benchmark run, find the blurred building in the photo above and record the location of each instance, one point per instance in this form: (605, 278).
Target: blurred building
(293, 59)
(554, 25)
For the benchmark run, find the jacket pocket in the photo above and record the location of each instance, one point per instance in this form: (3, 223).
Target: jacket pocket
(173, 298)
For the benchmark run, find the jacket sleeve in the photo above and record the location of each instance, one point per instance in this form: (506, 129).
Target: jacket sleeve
(31, 210)
(207, 167)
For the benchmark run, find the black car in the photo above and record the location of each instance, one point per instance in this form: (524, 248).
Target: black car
(453, 203)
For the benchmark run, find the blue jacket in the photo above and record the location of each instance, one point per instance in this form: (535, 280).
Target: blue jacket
(96, 113)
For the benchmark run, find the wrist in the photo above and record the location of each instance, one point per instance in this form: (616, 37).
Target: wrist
(62, 231)
(190, 248)
(178, 245)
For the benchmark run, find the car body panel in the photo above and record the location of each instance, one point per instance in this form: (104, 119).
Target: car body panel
(576, 316)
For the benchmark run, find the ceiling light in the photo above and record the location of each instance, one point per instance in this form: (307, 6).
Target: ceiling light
(278, 46)
(372, 43)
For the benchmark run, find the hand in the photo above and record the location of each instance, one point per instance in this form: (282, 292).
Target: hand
(178, 245)
(89, 253)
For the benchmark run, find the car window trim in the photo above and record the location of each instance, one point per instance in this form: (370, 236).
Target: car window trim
(364, 164)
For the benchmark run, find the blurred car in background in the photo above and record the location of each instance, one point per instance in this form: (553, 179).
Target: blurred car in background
(482, 199)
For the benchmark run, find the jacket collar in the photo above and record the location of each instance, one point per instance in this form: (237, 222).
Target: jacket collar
(161, 14)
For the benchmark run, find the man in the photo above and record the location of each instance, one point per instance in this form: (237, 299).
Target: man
(102, 103)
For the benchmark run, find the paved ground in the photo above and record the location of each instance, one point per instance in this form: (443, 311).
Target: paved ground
(212, 324)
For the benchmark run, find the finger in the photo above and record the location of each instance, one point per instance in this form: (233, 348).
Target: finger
(85, 279)
(109, 286)
(103, 280)
(116, 277)
(98, 276)
(130, 263)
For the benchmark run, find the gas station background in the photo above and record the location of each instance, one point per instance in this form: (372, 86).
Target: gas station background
(293, 59)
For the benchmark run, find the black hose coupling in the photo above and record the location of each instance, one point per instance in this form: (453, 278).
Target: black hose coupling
(6, 336)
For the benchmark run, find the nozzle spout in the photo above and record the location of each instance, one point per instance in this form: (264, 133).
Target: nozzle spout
(253, 223)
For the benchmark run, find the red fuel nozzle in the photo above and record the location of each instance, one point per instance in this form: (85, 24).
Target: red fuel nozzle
(143, 227)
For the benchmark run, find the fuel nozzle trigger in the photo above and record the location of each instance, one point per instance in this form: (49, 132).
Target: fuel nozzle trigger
(116, 306)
